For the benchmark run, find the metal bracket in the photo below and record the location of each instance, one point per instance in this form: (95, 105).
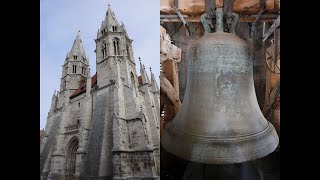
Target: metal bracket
(206, 26)
(228, 9)
(210, 8)
(253, 26)
(176, 10)
(275, 24)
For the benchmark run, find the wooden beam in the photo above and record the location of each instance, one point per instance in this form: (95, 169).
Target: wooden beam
(272, 99)
(167, 89)
(198, 7)
(250, 18)
(170, 70)
(275, 24)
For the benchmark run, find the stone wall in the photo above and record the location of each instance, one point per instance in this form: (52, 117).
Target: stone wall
(49, 140)
(96, 133)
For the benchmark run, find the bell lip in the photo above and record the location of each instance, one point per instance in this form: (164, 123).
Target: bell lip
(181, 147)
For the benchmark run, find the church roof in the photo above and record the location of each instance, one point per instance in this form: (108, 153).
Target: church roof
(83, 86)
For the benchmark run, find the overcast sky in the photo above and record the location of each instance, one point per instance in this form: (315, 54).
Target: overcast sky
(60, 21)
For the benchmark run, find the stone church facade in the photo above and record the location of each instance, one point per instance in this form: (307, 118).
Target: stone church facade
(105, 126)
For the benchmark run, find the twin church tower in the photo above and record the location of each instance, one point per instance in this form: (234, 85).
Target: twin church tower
(105, 126)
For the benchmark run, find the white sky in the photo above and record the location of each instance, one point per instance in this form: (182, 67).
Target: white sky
(60, 21)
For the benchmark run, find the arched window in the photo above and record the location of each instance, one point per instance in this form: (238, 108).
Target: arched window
(118, 49)
(103, 31)
(116, 46)
(75, 68)
(82, 70)
(75, 57)
(104, 50)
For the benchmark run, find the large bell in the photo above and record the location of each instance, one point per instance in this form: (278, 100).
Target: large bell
(220, 121)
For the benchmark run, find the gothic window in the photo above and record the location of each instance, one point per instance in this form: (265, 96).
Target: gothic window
(82, 70)
(72, 68)
(103, 31)
(116, 46)
(132, 78)
(75, 68)
(113, 28)
(118, 50)
(64, 84)
(104, 50)
(75, 57)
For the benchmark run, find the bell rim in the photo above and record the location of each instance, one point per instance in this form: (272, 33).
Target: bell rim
(255, 152)
(215, 138)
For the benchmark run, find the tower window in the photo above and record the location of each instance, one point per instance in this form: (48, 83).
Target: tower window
(104, 51)
(79, 106)
(74, 68)
(82, 70)
(116, 48)
(75, 57)
(103, 31)
(114, 28)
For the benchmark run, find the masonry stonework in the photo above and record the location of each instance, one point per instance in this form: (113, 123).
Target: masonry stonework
(105, 126)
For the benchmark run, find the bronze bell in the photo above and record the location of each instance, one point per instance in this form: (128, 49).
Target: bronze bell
(220, 121)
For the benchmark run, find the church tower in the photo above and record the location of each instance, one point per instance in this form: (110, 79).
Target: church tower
(75, 67)
(113, 44)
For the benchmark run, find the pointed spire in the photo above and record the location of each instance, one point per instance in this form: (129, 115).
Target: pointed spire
(144, 76)
(110, 20)
(77, 51)
(154, 85)
(141, 66)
